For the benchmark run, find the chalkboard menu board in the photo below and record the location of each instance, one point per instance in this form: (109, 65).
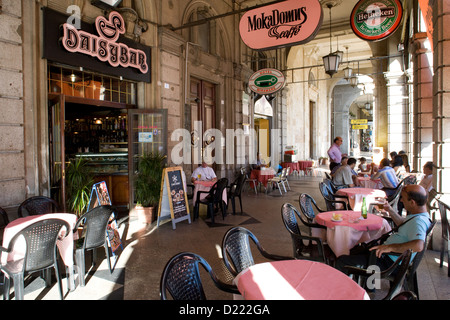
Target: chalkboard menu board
(173, 201)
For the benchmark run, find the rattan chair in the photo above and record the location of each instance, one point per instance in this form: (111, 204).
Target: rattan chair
(396, 274)
(304, 247)
(181, 278)
(444, 210)
(41, 254)
(37, 205)
(236, 251)
(214, 197)
(94, 223)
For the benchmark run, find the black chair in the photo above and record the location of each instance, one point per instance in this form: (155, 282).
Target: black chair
(444, 210)
(411, 274)
(41, 254)
(334, 187)
(235, 190)
(236, 250)
(405, 295)
(306, 202)
(37, 205)
(181, 278)
(432, 205)
(94, 223)
(314, 249)
(396, 274)
(330, 198)
(190, 191)
(3, 218)
(214, 197)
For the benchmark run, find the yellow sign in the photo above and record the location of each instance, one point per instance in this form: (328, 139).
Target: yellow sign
(358, 121)
(360, 126)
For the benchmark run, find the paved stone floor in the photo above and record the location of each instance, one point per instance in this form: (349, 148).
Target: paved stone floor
(147, 249)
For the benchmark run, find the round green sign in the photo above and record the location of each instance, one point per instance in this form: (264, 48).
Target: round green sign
(374, 20)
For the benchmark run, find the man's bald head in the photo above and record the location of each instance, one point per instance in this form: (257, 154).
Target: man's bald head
(416, 193)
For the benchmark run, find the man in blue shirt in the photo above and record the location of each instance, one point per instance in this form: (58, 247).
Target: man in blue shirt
(387, 176)
(410, 235)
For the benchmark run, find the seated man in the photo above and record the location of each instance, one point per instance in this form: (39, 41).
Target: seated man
(336, 167)
(259, 162)
(203, 173)
(387, 176)
(410, 235)
(345, 174)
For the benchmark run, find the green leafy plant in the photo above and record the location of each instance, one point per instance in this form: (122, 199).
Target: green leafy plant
(79, 181)
(148, 179)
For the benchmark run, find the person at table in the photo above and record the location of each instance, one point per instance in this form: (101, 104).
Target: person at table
(203, 173)
(346, 175)
(405, 162)
(363, 168)
(427, 181)
(410, 235)
(392, 155)
(260, 163)
(343, 163)
(334, 152)
(398, 166)
(387, 176)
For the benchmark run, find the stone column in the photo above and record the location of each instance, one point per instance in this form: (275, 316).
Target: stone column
(441, 95)
(423, 102)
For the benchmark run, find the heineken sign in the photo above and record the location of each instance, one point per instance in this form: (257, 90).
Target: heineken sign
(266, 81)
(374, 20)
(282, 24)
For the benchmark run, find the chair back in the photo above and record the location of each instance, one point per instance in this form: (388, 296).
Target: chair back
(288, 170)
(4, 220)
(216, 191)
(289, 215)
(432, 205)
(444, 210)
(283, 173)
(306, 201)
(330, 185)
(181, 277)
(40, 238)
(328, 197)
(37, 205)
(405, 295)
(236, 251)
(398, 271)
(238, 185)
(94, 224)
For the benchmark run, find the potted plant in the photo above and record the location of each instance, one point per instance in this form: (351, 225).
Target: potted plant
(148, 185)
(79, 181)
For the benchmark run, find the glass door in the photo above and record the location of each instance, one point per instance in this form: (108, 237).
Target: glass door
(57, 149)
(147, 132)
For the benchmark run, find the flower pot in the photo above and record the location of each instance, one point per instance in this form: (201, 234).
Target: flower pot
(145, 214)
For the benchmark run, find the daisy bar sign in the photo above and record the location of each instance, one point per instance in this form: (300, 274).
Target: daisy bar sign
(282, 24)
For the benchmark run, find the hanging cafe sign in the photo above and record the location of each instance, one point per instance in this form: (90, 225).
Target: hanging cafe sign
(105, 47)
(266, 81)
(285, 23)
(374, 20)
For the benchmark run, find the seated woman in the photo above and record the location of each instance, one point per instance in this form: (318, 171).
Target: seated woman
(398, 166)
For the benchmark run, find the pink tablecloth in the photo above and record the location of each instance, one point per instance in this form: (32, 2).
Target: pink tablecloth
(293, 165)
(262, 175)
(344, 235)
(305, 164)
(356, 196)
(366, 182)
(297, 280)
(65, 246)
(200, 185)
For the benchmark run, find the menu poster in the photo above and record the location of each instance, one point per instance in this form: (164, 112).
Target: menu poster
(100, 197)
(173, 201)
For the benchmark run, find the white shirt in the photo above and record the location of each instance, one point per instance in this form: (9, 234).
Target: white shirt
(205, 173)
(427, 182)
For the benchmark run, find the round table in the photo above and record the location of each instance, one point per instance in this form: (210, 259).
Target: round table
(343, 235)
(262, 175)
(293, 165)
(367, 182)
(297, 280)
(356, 195)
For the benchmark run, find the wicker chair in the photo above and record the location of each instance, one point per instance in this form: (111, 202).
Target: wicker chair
(236, 250)
(444, 209)
(94, 224)
(37, 205)
(41, 254)
(214, 196)
(314, 249)
(181, 278)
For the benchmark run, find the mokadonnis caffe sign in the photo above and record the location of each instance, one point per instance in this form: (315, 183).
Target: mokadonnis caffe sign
(281, 24)
(99, 47)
